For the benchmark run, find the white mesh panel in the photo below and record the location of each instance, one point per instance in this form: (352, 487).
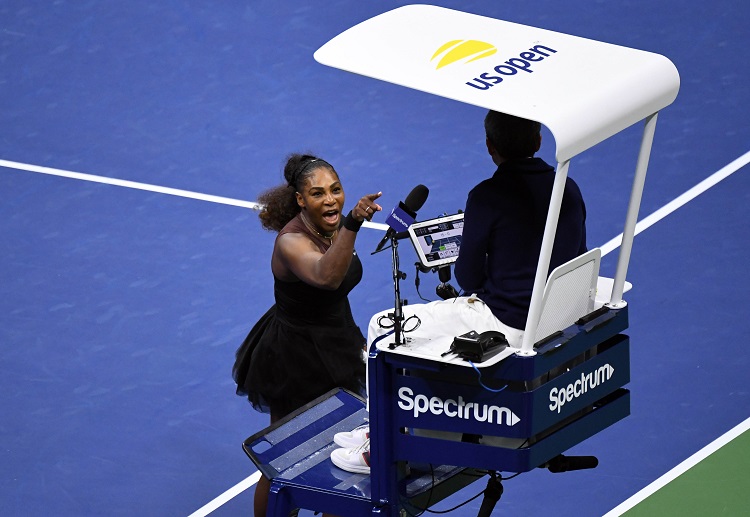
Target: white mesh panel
(567, 298)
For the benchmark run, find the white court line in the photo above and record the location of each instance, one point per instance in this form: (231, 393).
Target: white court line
(128, 184)
(691, 194)
(613, 244)
(226, 496)
(145, 186)
(680, 469)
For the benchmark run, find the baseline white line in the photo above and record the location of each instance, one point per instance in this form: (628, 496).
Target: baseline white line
(681, 200)
(128, 184)
(680, 469)
(145, 186)
(226, 496)
(699, 456)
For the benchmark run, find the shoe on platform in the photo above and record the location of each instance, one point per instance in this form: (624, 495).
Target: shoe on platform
(353, 438)
(355, 459)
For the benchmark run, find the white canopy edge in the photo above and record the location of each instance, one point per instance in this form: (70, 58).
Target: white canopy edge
(583, 90)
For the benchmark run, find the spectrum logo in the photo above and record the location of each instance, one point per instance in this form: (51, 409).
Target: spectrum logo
(473, 50)
(558, 397)
(455, 408)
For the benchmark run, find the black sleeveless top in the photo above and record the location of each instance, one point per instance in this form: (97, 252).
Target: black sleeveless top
(306, 344)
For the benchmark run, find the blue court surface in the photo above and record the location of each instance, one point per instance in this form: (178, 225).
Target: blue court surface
(137, 135)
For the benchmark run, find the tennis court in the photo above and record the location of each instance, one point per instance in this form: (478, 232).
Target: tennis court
(136, 137)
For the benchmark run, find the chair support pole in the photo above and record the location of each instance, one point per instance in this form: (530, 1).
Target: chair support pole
(631, 218)
(545, 255)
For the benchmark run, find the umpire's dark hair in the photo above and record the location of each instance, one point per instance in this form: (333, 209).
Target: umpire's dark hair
(512, 137)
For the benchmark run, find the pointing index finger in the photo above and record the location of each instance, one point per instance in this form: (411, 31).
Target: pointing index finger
(373, 197)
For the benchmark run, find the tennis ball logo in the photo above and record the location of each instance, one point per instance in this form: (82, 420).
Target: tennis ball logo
(457, 50)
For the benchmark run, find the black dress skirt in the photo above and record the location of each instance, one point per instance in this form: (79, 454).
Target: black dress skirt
(306, 344)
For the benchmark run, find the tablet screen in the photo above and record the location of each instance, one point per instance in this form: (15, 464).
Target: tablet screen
(437, 241)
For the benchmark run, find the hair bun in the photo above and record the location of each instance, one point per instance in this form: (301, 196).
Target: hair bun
(296, 165)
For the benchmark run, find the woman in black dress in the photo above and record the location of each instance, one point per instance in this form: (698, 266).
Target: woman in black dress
(307, 343)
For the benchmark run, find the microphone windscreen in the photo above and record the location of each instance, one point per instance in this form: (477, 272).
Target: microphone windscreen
(416, 198)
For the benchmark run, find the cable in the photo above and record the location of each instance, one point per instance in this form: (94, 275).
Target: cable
(455, 507)
(416, 283)
(429, 498)
(392, 324)
(479, 378)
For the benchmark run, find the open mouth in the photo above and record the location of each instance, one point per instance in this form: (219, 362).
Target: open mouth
(331, 217)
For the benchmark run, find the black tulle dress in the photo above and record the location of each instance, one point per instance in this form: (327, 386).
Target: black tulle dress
(306, 344)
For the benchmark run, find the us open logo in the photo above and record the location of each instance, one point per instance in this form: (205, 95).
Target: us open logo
(458, 49)
(468, 51)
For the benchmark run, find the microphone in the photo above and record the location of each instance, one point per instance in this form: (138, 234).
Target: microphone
(444, 290)
(562, 463)
(403, 215)
(492, 495)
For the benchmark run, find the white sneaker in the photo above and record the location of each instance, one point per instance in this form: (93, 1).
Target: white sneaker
(353, 438)
(356, 459)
